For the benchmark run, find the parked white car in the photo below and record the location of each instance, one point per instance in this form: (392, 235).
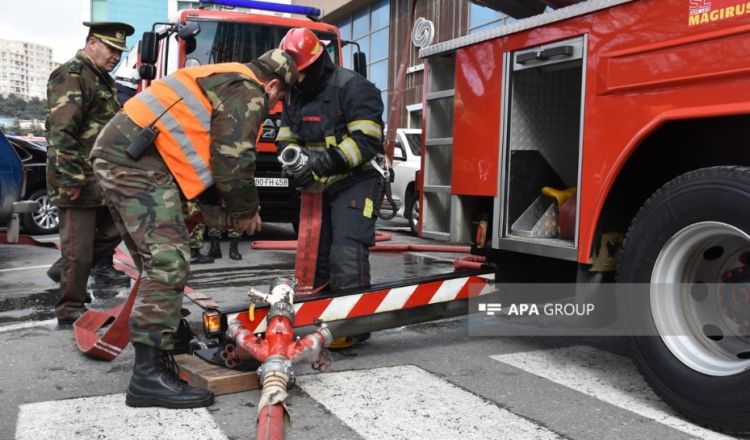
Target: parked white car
(406, 162)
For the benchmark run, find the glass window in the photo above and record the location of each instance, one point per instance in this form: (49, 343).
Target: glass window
(187, 5)
(221, 42)
(98, 10)
(369, 27)
(414, 143)
(484, 27)
(482, 18)
(379, 74)
(345, 29)
(380, 15)
(379, 44)
(364, 46)
(481, 15)
(361, 24)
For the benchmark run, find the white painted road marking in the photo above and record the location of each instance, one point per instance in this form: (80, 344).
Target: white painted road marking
(13, 269)
(107, 417)
(409, 403)
(49, 323)
(604, 376)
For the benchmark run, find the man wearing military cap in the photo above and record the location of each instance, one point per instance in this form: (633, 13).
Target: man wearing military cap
(81, 99)
(110, 33)
(220, 108)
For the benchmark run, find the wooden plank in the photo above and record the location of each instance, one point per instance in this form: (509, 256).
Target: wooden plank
(220, 380)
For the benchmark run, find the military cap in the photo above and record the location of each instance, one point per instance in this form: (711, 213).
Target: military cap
(111, 33)
(281, 64)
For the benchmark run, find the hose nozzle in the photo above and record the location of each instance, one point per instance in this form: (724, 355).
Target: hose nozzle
(292, 158)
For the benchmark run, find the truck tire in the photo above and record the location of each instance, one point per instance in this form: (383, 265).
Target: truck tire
(685, 267)
(44, 220)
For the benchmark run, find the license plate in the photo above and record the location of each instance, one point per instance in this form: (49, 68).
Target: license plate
(272, 181)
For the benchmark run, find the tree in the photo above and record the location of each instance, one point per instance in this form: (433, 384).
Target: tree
(14, 106)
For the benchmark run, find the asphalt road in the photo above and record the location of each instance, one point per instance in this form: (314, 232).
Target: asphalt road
(431, 381)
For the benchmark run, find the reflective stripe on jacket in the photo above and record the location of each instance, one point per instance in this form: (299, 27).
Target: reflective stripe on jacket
(184, 130)
(346, 115)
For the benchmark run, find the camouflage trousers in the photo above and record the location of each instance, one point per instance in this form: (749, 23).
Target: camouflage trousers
(200, 231)
(148, 211)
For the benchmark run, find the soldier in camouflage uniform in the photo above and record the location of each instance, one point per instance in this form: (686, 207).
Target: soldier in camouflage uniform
(197, 240)
(220, 108)
(197, 237)
(81, 97)
(214, 237)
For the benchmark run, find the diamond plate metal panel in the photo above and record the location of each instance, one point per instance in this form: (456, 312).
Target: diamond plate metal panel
(520, 25)
(545, 116)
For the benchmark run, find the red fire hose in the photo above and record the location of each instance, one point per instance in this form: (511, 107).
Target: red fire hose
(379, 236)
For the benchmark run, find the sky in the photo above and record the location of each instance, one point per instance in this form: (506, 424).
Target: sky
(51, 23)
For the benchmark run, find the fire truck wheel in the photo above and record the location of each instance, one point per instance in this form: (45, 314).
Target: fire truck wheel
(685, 269)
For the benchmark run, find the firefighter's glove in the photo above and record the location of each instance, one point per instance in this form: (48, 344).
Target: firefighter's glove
(319, 165)
(305, 176)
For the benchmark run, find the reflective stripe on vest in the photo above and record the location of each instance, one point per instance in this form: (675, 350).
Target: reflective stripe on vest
(184, 131)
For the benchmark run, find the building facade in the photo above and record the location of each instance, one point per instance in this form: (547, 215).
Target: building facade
(141, 14)
(24, 69)
(383, 32)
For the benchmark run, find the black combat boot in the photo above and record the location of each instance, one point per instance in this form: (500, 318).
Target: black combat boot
(155, 383)
(197, 258)
(234, 253)
(104, 272)
(215, 250)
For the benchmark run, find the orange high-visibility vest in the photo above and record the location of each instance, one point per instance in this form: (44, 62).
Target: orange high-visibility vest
(184, 130)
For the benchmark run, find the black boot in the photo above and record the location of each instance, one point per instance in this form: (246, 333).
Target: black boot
(197, 258)
(104, 272)
(155, 383)
(215, 250)
(234, 253)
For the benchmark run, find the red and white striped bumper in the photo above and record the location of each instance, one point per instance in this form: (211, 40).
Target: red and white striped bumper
(316, 310)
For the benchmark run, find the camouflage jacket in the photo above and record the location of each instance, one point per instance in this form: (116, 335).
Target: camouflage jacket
(239, 106)
(81, 99)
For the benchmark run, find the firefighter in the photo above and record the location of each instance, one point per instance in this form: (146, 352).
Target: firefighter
(81, 98)
(211, 150)
(335, 116)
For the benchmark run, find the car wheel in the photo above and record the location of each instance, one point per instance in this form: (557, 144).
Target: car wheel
(686, 269)
(411, 212)
(44, 220)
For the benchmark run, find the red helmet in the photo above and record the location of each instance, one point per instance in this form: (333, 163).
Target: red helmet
(303, 45)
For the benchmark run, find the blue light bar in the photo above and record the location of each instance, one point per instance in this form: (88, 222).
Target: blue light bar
(266, 6)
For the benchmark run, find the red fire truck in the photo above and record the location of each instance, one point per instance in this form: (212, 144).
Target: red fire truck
(634, 115)
(204, 36)
(598, 146)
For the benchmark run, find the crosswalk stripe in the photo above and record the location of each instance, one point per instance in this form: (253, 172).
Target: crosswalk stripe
(604, 376)
(406, 402)
(49, 323)
(107, 417)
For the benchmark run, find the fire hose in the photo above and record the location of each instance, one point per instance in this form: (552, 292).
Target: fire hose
(278, 351)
